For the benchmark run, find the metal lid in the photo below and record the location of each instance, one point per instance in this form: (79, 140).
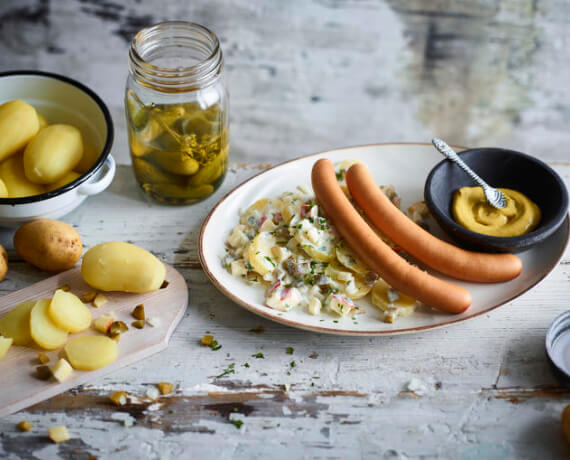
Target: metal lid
(558, 346)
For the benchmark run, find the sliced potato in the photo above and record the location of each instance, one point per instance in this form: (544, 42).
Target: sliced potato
(45, 333)
(16, 323)
(349, 259)
(317, 243)
(91, 352)
(259, 254)
(361, 288)
(263, 207)
(68, 312)
(386, 298)
(5, 344)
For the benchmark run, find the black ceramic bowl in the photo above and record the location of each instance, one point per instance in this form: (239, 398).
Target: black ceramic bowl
(499, 168)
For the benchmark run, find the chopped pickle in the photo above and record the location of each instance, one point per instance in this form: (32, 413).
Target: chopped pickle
(43, 372)
(179, 151)
(58, 433)
(119, 398)
(207, 340)
(88, 297)
(165, 387)
(65, 288)
(43, 358)
(138, 312)
(139, 323)
(24, 425)
(99, 300)
(118, 327)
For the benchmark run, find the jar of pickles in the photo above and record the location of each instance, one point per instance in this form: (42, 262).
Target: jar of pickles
(176, 105)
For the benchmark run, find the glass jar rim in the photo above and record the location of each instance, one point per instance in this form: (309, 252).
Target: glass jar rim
(183, 78)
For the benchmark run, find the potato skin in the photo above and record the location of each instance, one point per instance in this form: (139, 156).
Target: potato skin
(48, 244)
(3, 262)
(120, 266)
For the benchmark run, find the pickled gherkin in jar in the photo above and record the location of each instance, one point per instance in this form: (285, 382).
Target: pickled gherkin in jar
(179, 151)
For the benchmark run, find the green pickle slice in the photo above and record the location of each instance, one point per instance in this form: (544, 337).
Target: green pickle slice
(179, 152)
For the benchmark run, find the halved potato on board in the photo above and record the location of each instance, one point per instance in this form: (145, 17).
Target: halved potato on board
(68, 312)
(16, 323)
(91, 352)
(44, 332)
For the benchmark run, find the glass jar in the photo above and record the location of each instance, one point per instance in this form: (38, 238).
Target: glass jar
(176, 104)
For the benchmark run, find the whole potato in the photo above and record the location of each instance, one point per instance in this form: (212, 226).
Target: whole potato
(50, 245)
(69, 177)
(88, 159)
(52, 153)
(3, 189)
(18, 124)
(15, 180)
(119, 266)
(42, 120)
(3, 262)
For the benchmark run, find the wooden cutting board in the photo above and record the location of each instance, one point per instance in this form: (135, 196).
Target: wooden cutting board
(19, 388)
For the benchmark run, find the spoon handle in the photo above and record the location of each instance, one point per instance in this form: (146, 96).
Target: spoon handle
(446, 150)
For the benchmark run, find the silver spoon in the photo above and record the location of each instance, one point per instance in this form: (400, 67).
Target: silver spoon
(495, 197)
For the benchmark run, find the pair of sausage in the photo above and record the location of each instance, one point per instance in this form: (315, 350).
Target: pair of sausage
(397, 272)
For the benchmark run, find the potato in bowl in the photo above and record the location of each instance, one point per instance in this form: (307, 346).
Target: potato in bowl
(57, 100)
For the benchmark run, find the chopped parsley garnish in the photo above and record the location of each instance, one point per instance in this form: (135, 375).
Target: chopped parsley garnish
(270, 261)
(248, 266)
(230, 370)
(215, 345)
(237, 423)
(258, 356)
(292, 364)
(245, 364)
(289, 350)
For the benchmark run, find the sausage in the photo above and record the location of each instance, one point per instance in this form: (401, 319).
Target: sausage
(377, 254)
(430, 250)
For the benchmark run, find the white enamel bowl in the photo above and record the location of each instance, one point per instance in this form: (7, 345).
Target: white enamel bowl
(60, 100)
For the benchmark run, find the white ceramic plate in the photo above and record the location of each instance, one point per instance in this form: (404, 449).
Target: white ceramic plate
(404, 165)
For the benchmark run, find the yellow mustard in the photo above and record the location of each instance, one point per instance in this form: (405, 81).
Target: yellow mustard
(471, 210)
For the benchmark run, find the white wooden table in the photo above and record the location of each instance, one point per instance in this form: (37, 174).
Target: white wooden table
(306, 76)
(482, 389)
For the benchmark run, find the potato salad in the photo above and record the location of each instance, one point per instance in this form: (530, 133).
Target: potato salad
(287, 247)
